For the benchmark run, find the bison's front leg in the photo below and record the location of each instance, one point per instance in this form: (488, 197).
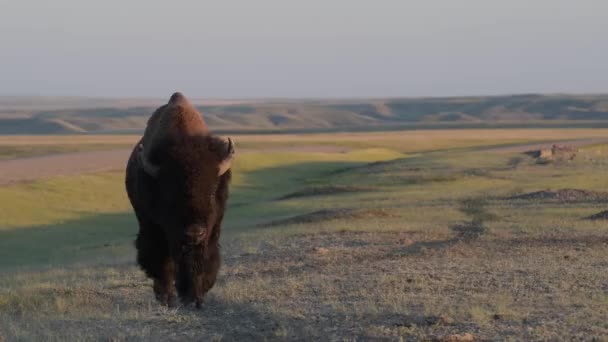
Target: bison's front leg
(198, 291)
(153, 257)
(197, 279)
(164, 286)
(211, 267)
(197, 266)
(197, 272)
(205, 279)
(189, 269)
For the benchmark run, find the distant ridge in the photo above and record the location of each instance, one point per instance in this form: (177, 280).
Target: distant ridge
(75, 115)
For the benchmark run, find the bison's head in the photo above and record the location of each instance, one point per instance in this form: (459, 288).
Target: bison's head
(190, 178)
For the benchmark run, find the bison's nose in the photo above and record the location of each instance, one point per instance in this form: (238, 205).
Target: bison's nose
(195, 234)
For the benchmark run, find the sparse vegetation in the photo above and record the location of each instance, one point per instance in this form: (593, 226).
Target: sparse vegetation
(450, 241)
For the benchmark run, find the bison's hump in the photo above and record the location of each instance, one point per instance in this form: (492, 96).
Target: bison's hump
(178, 99)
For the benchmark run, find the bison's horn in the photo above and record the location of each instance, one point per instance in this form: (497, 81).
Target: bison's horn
(227, 161)
(148, 167)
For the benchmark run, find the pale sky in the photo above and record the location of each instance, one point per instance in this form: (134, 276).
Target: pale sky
(305, 48)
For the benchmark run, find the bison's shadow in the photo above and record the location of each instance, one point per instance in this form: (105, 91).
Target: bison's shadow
(96, 239)
(235, 321)
(251, 322)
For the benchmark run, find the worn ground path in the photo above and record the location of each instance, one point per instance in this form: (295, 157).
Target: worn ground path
(66, 164)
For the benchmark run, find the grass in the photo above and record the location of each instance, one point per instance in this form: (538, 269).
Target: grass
(92, 239)
(61, 199)
(430, 249)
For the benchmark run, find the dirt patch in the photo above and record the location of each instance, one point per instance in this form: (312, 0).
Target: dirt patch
(332, 214)
(68, 164)
(562, 195)
(602, 216)
(324, 190)
(29, 169)
(548, 145)
(555, 153)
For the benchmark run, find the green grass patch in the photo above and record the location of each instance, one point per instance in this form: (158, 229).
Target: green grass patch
(56, 200)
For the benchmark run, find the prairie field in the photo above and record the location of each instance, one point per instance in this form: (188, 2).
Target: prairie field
(422, 235)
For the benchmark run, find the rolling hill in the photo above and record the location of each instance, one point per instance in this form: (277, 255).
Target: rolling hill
(43, 115)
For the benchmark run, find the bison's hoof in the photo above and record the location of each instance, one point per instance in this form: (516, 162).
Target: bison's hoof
(165, 295)
(172, 302)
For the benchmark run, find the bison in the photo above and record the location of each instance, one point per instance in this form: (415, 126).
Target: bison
(177, 181)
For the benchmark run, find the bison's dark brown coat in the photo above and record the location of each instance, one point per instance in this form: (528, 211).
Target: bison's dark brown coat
(177, 181)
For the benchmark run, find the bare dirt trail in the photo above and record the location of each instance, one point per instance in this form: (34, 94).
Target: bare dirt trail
(69, 164)
(66, 164)
(548, 145)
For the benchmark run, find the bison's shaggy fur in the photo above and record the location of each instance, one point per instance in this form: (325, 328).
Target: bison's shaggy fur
(177, 181)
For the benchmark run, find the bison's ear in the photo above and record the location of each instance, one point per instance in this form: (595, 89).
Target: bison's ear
(227, 157)
(148, 167)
